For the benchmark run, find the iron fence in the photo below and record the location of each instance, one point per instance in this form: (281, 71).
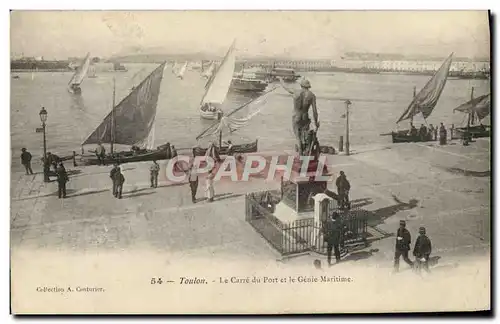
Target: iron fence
(303, 234)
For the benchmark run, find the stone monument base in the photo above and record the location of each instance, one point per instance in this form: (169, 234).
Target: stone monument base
(298, 192)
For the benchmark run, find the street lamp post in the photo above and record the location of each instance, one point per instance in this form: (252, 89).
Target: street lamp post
(43, 118)
(347, 104)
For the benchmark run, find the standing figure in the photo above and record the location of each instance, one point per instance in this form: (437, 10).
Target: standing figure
(442, 135)
(154, 170)
(422, 250)
(302, 101)
(343, 187)
(100, 152)
(112, 176)
(193, 182)
(62, 178)
(333, 234)
(26, 161)
(209, 190)
(431, 133)
(229, 148)
(403, 242)
(119, 179)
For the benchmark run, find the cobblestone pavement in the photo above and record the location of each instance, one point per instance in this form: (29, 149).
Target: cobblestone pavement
(449, 185)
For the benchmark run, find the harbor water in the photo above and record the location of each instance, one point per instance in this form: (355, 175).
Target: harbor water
(377, 102)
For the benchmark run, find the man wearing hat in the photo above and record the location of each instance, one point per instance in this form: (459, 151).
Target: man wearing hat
(422, 250)
(112, 176)
(333, 236)
(302, 101)
(403, 242)
(26, 161)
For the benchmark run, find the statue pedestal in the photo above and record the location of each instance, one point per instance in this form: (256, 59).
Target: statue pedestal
(298, 192)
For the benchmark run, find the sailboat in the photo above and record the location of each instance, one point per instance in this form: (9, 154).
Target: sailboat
(424, 102)
(217, 86)
(131, 123)
(92, 72)
(77, 78)
(209, 72)
(229, 124)
(476, 109)
(181, 72)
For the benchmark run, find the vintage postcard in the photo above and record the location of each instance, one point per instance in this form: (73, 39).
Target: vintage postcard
(250, 162)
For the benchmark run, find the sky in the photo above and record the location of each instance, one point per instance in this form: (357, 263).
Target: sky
(295, 34)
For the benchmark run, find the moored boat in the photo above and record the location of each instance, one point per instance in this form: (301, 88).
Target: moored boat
(423, 103)
(131, 123)
(476, 110)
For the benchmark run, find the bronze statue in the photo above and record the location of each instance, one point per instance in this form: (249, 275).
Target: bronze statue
(302, 101)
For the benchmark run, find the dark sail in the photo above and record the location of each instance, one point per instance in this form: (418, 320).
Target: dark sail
(134, 116)
(480, 107)
(425, 101)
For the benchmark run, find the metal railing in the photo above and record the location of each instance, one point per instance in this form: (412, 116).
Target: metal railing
(303, 234)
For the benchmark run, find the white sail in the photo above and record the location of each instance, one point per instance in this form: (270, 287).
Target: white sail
(218, 85)
(81, 71)
(182, 70)
(208, 73)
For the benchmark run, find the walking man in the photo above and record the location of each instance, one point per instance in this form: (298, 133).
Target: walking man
(403, 242)
(343, 187)
(193, 182)
(154, 170)
(26, 161)
(119, 181)
(112, 176)
(333, 233)
(422, 250)
(62, 178)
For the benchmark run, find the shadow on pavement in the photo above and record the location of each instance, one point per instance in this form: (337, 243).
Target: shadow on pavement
(127, 195)
(70, 191)
(378, 216)
(361, 255)
(469, 173)
(220, 197)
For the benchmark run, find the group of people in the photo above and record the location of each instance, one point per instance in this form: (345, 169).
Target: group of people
(429, 134)
(421, 251)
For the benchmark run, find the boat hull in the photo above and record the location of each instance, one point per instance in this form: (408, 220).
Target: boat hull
(404, 137)
(472, 132)
(248, 85)
(210, 115)
(127, 157)
(241, 148)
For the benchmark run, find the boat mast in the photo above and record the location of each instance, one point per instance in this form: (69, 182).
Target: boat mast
(113, 117)
(471, 114)
(414, 95)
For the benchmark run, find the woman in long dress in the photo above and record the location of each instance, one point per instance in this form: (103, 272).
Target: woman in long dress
(210, 192)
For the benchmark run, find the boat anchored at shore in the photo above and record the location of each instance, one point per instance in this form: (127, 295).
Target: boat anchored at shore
(423, 103)
(476, 110)
(131, 123)
(217, 87)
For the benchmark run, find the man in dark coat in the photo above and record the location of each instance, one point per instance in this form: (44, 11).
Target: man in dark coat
(154, 171)
(343, 187)
(26, 161)
(112, 176)
(442, 134)
(403, 243)
(422, 250)
(333, 234)
(119, 180)
(193, 182)
(62, 178)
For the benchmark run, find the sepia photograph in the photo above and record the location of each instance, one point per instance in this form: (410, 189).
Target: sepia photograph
(250, 162)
